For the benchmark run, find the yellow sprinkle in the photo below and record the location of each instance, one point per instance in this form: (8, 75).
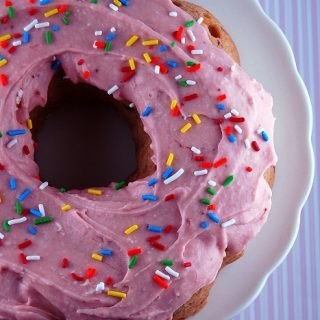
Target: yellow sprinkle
(29, 124)
(196, 118)
(173, 104)
(95, 192)
(132, 64)
(117, 294)
(96, 256)
(131, 229)
(3, 62)
(147, 57)
(5, 37)
(66, 207)
(186, 127)
(170, 159)
(51, 13)
(117, 3)
(152, 42)
(132, 40)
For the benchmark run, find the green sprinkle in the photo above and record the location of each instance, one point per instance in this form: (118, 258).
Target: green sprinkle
(120, 185)
(173, 44)
(48, 36)
(211, 191)
(43, 220)
(227, 181)
(189, 24)
(68, 13)
(5, 225)
(62, 190)
(166, 262)
(94, 1)
(19, 207)
(205, 201)
(1, 134)
(65, 21)
(108, 46)
(11, 12)
(133, 262)
(183, 83)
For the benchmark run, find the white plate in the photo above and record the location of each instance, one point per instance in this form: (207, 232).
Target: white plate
(267, 56)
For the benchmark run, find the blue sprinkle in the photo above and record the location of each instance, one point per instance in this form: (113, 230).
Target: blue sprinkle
(13, 184)
(167, 173)
(150, 197)
(1, 58)
(56, 64)
(55, 28)
(125, 2)
(221, 106)
(105, 252)
(24, 194)
(26, 37)
(163, 48)
(265, 136)
(232, 138)
(152, 182)
(204, 224)
(36, 213)
(32, 230)
(213, 217)
(154, 228)
(147, 111)
(44, 2)
(172, 64)
(110, 36)
(12, 133)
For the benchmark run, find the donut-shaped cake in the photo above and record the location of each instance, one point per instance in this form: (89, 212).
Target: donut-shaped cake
(142, 250)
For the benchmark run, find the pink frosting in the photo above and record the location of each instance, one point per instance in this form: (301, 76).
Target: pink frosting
(43, 289)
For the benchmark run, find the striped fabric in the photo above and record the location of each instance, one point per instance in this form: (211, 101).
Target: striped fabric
(293, 290)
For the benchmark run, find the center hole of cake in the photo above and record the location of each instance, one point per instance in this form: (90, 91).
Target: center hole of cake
(85, 138)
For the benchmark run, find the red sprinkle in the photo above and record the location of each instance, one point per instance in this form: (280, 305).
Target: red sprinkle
(65, 263)
(249, 169)
(125, 69)
(158, 245)
(154, 238)
(80, 62)
(77, 277)
(108, 281)
(2, 167)
(168, 229)
(86, 75)
(130, 75)
(220, 162)
(5, 20)
(4, 44)
(90, 273)
(191, 47)
(24, 244)
(25, 211)
(199, 158)
(17, 35)
(221, 98)
(219, 69)
(25, 150)
(194, 68)
(12, 49)
(175, 111)
(63, 8)
(212, 207)
(187, 264)
(32, 12)
(179, 33)
(162, 283)
(3, 79)
(133, 252)
(163, 68)
(100, 44)
(170, 197)
(206, 165)
(23, 258)
(191, 97)
(228, 130)
(255, 146)
(155, 60)
(237, 119)
(218, 121)
(8, 3)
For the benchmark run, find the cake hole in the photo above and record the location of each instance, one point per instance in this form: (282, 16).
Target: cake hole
(214, 31)
(85, 138)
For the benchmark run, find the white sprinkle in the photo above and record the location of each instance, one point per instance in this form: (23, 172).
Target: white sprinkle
(1, 236)
(16, 43)
(12, 142)
(228, 115)
(17, 221)
(233, 67)
(33, 258)
(200, 20)
(200, 172)
(178, 77)
(172, 272)
(235, 112)
(30, 25)
(247, 143)
(238, 129)
(195, 150)
(157, 69)
(100, 287)
(113, 7)
(197, 52)
(173, 13)
(131, 105)
(259, 131)
(183, 40)
(98, 33)
(191, 82)
(113, 29)
(162, 275)
(174, 177)
(43, 185)
(19, 96)
(212, 183)
(191, 35)
(42, 25)
(113, 90)
(41, 209)
(94, 45)
(228, 223)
